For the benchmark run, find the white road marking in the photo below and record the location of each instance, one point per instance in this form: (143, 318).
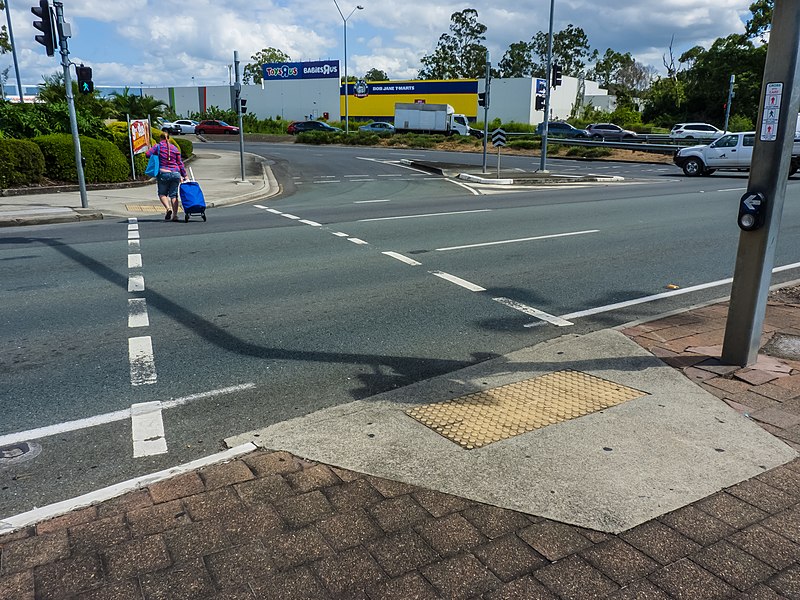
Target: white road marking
(133, 235)
(273, 211)
(369, 201)
(538, 237)
(143, 366)
(733, 189)
(137, 313)
(458, 281)
(392, 175)
(312, 223)
(147, 429)
(357, 241)
(401, 258)
(361, 180)
(331, 181)
(471, 190)
(134, 261)
(288, 216)
(136, 283)
(533, 312)
(260, 206)
(340, 234)
(458, 212)
(132, 220)
(133, 227)
(13, 523)
(358, 175)
(134, 246)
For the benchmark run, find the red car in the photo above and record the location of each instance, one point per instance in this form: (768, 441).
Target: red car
(213, 126)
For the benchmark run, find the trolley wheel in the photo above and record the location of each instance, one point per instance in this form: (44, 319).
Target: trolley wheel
(186, 218)
(204, 217)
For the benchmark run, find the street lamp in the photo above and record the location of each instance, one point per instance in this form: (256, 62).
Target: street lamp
(344, 21)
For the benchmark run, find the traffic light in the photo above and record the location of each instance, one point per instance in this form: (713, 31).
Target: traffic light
(557, 73)
(243, 106)
(85, 83)
(46, 25)
(539, 102)
(481, 98)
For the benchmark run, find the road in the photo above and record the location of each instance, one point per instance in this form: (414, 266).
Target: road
(364, 275)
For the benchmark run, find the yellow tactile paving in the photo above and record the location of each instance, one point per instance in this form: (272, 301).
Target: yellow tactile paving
(478, 419)
(148, 208)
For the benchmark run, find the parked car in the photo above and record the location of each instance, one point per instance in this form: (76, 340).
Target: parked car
(609, 131)
(377, 127)
(186, 125)
(300, 126)
(561, 129)
(168, 126)
(215, 126)
(694, 131)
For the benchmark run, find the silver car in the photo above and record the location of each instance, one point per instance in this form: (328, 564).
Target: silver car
(609, 131)
(694, 131)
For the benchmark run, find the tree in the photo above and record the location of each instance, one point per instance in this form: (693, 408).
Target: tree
(5, 43)
(138, 107)
(619, 71)
(252, 71)
(376, 75)
(517, 61)
(761, 21)
(459, 54)
(53, 91)
(571, 50)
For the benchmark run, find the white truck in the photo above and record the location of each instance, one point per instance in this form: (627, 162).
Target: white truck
(429, 118)
(732, 151)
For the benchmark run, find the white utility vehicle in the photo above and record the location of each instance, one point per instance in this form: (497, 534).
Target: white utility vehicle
(733, 151)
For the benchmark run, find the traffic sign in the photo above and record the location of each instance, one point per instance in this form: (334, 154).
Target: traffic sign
(498, 137)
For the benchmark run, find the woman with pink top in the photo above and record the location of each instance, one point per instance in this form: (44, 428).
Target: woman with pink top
(171, 174)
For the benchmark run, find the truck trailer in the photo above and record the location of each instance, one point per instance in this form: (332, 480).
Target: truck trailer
(429, 118)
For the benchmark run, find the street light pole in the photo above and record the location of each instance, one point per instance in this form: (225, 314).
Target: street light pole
(14, 54)
(346, 94)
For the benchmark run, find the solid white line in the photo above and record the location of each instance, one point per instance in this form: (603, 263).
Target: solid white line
(147, 429)
(36, 515)
(134, 246)
(288, 216)
(458, 281)
(357, 241)
(134, 261)
(137, 313)
(143, 366)
(136, 283)
(533, 312)
(340, 234)
(119, 415)
(458, 212)
(369, 201)
(133, 227)
(471, 190)
(538, 237)
(312, 223)
(133, 235)
(401, 258)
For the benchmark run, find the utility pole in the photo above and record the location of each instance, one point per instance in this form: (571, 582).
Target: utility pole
(543, 159)
(728, 103)
(486, 85)
(13, 53)
(237, 103)
(761, 206)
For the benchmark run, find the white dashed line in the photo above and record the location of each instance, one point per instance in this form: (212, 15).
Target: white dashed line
(273, 211)
(134, 246)
(312, 223)
(369, 201)
(340, 234)
(143, 365)
(458, 281)
(533, 312)
(133, 227)
(133, 235)
(136, 283)
(357, 241)
(134, 261)
(260, 206)
(288, 216)
(147, 427)
(401, 258)
(137, 313)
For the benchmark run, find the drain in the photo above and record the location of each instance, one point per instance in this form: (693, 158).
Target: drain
(18, 453)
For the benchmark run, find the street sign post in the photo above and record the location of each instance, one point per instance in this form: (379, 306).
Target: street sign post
(498, 141)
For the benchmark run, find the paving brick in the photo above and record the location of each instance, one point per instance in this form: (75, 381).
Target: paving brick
(775, 392)
(96, 535)
(272, 463)
(143, 555)
(298, 584)
(787, 582)
(619, 560)
(731, 510)
(350, 496)
(124, 503)
(574, 578)
(183, 581)
(346, 475)
(349, 529)
(731, 386)
(304, 509)
(460, 577)
(18, 586)
(784, 479)
(760, 592)
(791, 383)
(157, 518)
(640, 590)
(526, 587)
(398, 513)
(753, 401)
(659, 542)
(733, 565)
(180, 486)
(554, 540)
(232, 567)
(451, 534)
(509, 557)
(195, 540)
(312, 478)
(127, 589)
(756, 376)
(440, 504)
(389, 488)
(214, 504)
(295, 548)
(246, 526)
(698, 375)
(20, 534)
(264, 490)
(684, 580)
(217, 476)
(761, 495)
(348, 571)
(767, 546)
(411, 586)
(495, 522)
(402, 552)
(786, 524)
(776, 416)
(27, 553)
(76, 517)
(242, 593)
(64, 577)
(697, 525)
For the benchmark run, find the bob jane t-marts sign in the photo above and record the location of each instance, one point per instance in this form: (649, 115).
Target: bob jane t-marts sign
(321, 69)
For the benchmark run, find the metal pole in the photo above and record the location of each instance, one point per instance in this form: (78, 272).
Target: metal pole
(728, 103)
(14, 52)
(130, 143)
(548, 76)
(486, 107)
(63, 34)
(768, 176)
(498, 162)
(238, 91)
(346, 84)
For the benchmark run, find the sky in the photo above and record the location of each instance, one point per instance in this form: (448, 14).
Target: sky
(185, 42)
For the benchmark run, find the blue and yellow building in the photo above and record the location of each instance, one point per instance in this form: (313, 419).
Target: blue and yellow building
(375, 100)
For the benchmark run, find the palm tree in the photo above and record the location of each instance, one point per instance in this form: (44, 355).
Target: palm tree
(138, 107)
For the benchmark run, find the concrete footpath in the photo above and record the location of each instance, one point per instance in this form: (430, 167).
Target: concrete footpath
(626, 463)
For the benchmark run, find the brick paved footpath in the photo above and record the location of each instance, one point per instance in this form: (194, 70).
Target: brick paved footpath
(273, 526)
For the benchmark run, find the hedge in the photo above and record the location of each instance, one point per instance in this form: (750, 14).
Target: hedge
(22, 161)
(105, 163)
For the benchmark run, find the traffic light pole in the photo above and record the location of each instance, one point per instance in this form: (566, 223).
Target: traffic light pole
(238, 103)
(546, 122)
(486, 107)
(63, 33)
(766, 188)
